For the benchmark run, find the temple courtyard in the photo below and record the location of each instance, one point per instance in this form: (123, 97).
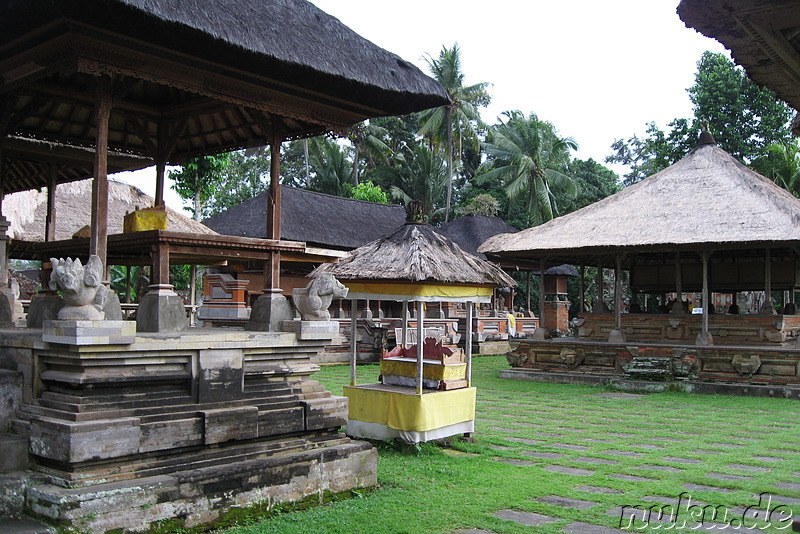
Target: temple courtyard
(550, 458)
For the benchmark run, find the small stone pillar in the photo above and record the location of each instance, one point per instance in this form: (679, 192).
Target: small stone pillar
(7, 299)
(556, 304)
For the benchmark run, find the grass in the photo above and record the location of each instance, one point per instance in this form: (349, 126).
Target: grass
(435, 489)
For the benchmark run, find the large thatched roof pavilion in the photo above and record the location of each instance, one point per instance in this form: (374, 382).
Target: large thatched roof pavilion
(705, 223)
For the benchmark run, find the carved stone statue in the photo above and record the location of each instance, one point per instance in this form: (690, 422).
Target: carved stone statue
(314, 300)
(79, 286)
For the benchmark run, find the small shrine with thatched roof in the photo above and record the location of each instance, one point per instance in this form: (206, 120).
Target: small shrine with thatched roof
(425, 390)
(737, 231)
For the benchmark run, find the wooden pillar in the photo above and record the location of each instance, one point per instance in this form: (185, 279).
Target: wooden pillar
(678, 306)
(160, 274)
(581, 302)
(529, 292)
(353, 340)
(598, 305)
(404, 312)
(161, 163)
(768, 308)
(420, 343)
(50, 218)
(616, 335)
(704, 338)
(541, 290)
(3, 221)
(468, 342)
(272, 271)
(98, 240)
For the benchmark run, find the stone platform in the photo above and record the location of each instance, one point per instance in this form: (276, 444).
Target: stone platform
(179, 425)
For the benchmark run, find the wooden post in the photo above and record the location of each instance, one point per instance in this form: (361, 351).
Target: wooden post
(98, 241)
(768, 308)
(160, 265)
(678, 285)
(581, 303)
(161, 163)
(598, 305)
(420, 343)
(353, 340)
(468, 342)
(404, 311)
(704, 338)
(618, 292)
(529, 293)
(272, 271)
(50, 218)
(541, 292)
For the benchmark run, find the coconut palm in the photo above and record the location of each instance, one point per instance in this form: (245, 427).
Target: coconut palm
(330, 166)
(449, 126)
(781, 164)
(417, 173)
(368, 143)
(527, 155)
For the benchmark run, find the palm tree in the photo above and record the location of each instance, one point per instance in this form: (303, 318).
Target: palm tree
(447, 126)
(330, 166)
(416, 174)
(781, 164)
(527, 155)
(367, 139)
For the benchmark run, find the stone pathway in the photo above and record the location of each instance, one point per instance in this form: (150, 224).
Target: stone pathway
(525, 518)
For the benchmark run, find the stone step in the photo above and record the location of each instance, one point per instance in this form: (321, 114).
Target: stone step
(25, 526)
(15, 454)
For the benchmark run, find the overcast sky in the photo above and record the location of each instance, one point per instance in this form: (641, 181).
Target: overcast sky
(598, 71)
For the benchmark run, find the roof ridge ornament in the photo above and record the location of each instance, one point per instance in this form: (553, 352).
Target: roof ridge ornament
(705, 137)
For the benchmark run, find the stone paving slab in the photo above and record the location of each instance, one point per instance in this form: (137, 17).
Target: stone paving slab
(788, 485)
(569, 470)
(620, 395)
(593, 460)
(620, 434)
(567, 502)
(499, 429)
(725, 476)
(526, 441)
(786, 500)
(24, 526)
(502, 448)
(661, 468)
(679, 460)
(545, 455)
(588, 528)
(625, 453)
(632, 478)
(700, 487)
(745, 467)
(525, 518)
(472, 531)
(549, 435)
(569, 446)
(646, 446)
(598, 489)
(596, 440)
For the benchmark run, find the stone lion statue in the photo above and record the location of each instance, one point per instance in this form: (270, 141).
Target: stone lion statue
(79, 285)
(314, 300)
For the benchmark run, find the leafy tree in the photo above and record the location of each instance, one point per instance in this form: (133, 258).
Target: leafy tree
(594, 182)
(367, 191)
(330, 166)
(743, 117)
(482, 204)
(243, 178)
(529, 157)
(417, 174)
(451, 125)
(198, 180)
(368, 143)
(781, 164)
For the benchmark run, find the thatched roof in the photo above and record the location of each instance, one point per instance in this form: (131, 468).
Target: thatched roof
(315, 218)
(210, 76)
(416, 253)
(706, 201)
(471, 231)
(762, 37)
(27, 211)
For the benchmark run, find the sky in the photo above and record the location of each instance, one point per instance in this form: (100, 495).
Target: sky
(598, 71)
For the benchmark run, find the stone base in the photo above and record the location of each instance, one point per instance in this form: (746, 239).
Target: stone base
(161, 310)
(616, 336)
(540, 333)
(89, 332)
(44, 307)
(7, 302)
(324, 330)
(200, 495)
(704, 339)
(269, 312)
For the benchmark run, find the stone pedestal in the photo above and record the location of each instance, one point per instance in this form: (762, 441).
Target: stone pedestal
(556, 315)
(704, 339)
(270, 311)
(161, 310)
(616, 336)
(227, 300)
(321, 330)
(89, 332)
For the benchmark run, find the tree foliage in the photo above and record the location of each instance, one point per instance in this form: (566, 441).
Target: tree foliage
(198, 180)
(743, 117)
(781, 164)
(529, 157)
(368, 191)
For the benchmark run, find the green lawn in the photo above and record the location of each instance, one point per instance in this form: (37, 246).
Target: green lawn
(731, 448)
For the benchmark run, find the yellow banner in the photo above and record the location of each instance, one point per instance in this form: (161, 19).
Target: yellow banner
(438, 291)
(409, 411)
